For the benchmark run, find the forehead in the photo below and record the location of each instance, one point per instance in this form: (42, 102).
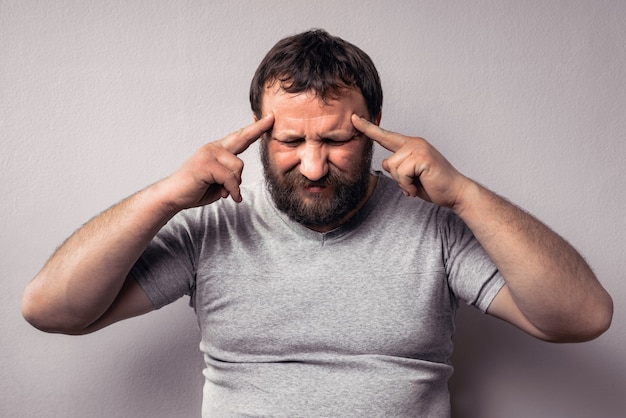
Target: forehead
(305, 111)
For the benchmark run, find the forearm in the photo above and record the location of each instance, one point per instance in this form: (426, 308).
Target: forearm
(549, 281)
(84, 276)
(83, 281)
(551, 292)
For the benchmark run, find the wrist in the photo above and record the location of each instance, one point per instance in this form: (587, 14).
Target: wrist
(470, 193)
(159, 200)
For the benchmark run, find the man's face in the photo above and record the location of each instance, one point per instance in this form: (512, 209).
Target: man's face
(315, 162)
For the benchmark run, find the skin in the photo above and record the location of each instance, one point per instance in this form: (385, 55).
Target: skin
(538, 266)
(85, 285)
(313, 137)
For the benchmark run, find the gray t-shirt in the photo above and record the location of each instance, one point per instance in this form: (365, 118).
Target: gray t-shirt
(354, 322)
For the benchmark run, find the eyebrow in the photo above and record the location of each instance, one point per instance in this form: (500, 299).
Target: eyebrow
(339, 135)
(285, 135)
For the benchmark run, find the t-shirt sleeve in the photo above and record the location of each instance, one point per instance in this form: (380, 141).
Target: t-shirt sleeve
(472, 275)
(166, 269)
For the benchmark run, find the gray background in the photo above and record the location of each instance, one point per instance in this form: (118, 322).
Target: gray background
(101, 98)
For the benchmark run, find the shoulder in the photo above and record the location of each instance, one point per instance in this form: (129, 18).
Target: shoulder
(411, 216)
(390, 199)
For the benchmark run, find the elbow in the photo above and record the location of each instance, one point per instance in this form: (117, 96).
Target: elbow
(599, 317)
(38, 312)
(602, 317)
(34, 310)
(33, 313)
(591, 324)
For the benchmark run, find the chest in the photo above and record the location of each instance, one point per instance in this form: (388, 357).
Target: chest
(257, 303)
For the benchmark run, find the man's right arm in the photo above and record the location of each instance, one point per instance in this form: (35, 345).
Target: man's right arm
(86, 284)
(83, 278)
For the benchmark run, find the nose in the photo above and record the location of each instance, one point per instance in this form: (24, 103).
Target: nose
(313, 161)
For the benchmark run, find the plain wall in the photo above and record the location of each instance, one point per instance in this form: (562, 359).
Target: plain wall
(98, 99)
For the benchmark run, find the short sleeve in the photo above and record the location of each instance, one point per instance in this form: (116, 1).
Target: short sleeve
(472, 276)
(166, 269)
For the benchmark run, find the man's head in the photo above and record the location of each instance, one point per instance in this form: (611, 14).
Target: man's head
(316, 164)
(315, 61)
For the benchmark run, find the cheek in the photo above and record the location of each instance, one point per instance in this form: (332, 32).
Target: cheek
(346, 158)
(283, 159)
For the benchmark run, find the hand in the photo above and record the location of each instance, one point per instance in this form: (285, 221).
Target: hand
(214, 171)
(418, 168)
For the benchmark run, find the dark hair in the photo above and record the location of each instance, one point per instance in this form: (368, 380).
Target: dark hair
(316, 61)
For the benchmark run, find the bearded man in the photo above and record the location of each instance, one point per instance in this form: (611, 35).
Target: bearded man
(328, 289)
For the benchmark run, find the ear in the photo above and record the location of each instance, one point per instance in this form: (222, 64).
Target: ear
(254, 117)
(380, 116)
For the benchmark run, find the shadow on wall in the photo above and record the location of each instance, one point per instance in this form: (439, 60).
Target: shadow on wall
(498, 366)
(165, 378)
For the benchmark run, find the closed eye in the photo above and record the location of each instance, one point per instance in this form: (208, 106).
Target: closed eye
(292, 142)
(336, 142)
(341, 141)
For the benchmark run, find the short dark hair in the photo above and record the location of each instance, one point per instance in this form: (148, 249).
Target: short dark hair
(316, 61)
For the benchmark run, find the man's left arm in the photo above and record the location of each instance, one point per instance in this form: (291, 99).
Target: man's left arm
(550, 290)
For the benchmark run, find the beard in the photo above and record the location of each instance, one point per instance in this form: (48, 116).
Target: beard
(318, 211)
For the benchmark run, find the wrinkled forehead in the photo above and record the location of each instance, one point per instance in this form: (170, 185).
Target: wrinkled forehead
(307, 112)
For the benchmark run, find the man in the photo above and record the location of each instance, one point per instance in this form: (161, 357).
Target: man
(332, 290)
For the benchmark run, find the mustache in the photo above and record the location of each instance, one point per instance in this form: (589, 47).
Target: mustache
(298, 180)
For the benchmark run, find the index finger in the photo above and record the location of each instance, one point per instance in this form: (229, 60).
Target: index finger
(390, 140)
(239, 141)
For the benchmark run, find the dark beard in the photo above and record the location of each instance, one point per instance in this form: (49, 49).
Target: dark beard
(321, 211)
